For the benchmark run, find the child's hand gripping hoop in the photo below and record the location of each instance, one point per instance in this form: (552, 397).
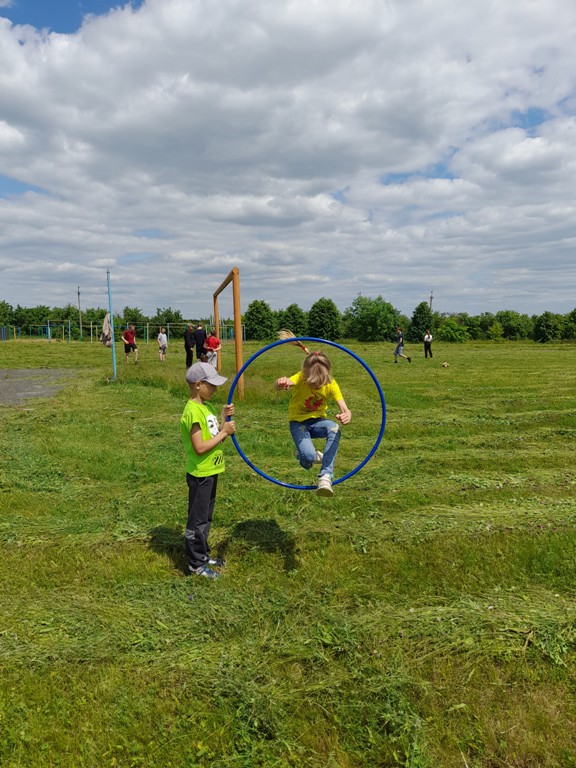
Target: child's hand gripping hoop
(348, 352)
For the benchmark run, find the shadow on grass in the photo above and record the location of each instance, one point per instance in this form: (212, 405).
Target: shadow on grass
(169, 541)
(265, 535)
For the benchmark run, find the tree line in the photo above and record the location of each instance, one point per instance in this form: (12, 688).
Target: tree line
(366, 320)
(369, 319)
(29, 319)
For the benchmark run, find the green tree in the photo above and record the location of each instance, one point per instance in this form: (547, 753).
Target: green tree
(325, 320)
(496, 332)
(474, 328)
(370, 319)
(515, 326)
(548, 327)
(294, 319)
(94, 315)
(133, 315)
(485, 321)
(259, 322)
(168, 317)
(421, 320)
(63, 314)
(569, 327)
(29, 318)
(452, 331)
(6, 313)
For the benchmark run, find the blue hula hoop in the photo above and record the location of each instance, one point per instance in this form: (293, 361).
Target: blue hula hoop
(348, 352)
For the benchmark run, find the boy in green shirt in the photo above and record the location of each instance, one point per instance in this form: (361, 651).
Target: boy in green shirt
(202, 435)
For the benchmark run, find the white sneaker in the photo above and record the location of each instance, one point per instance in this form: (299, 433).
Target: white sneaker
(324, 486)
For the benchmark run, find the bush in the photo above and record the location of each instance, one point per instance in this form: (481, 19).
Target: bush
(259, 322)
(325, 320)
(421, 320)
(452, 331)
(548, 327)
(294, 319)
(371, 319)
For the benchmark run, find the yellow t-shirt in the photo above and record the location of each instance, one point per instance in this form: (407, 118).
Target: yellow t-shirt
(308, 403)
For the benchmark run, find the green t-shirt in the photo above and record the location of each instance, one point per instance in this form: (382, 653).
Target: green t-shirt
(211, 463)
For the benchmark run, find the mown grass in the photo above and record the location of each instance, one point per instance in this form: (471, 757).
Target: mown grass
(424, 617)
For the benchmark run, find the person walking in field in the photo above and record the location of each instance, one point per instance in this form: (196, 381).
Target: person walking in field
(311, 390)
(399, 348)
(202, 435)
(189, 344)
(199, 339)
(129, 339)
(162, 344)
(427, 343)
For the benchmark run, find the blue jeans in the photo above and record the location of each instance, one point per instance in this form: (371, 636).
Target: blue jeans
(304, 431)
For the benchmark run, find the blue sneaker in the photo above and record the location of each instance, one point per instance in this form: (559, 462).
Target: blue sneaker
(208, 573)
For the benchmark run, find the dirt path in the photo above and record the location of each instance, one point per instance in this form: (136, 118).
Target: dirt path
(19, 384)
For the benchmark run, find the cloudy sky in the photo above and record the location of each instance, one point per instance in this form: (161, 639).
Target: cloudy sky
(326, 148)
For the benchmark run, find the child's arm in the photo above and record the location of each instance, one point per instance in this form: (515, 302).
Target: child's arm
(283, 383)
(203, 446)
(345, 415)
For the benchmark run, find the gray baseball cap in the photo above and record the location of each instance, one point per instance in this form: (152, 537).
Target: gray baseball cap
(204, 372)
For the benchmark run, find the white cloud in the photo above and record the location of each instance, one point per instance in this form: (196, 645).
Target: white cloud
(325, 148)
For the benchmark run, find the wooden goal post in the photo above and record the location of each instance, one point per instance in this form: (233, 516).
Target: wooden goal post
(234, 278)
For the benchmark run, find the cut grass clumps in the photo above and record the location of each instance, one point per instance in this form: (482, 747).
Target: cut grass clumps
(425, 616)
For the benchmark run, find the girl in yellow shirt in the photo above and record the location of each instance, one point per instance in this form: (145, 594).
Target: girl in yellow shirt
(312, 388)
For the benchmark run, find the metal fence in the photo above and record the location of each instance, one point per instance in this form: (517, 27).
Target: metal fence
(90, 332)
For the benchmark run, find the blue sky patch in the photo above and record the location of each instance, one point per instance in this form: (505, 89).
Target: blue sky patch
(150, 234)
(12, 187)
(396, 178)
(529, 119)
(63, 16)
(439, 171)
(340, 195)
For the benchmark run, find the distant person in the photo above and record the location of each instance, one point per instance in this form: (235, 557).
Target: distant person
(202, 435)
(189, 344)
(162, 344)
(212, 346)
(129, 339)
(399, 348)
(199, 339)
(427, 343)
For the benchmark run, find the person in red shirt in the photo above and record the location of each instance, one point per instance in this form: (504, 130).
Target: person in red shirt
(129, 339)
(212, 346)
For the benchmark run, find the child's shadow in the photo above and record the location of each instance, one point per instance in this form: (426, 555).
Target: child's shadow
(169, 541)
(265, 535)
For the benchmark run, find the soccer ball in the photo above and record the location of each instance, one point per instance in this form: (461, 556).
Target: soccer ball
(445, 364)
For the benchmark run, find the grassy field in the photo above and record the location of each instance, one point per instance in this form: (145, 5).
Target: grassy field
(424, 617)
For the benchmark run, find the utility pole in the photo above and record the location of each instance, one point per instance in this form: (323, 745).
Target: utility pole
(431, 297)
(79, 313)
